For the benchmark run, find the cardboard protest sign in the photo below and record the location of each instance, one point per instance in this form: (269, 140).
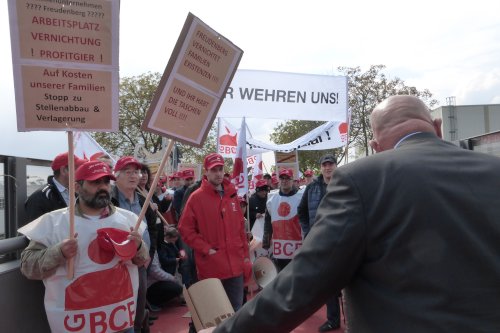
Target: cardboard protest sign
(193, 85)
(65, 63)
(208, 303)
(282, 157)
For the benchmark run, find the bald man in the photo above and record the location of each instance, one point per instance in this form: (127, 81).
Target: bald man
(411, 234)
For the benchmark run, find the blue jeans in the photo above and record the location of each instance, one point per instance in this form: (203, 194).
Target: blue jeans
(234, 290)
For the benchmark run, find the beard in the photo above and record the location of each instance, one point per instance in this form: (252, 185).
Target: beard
(101, 199)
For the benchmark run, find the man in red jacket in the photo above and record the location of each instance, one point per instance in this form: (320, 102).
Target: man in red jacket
(212, 225)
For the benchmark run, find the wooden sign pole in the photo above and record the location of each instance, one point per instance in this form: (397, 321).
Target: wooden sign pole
(71, 189)
(154, 184)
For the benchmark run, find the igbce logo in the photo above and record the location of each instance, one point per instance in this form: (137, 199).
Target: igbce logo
(99, 321)
(93, 306)
(227, 149)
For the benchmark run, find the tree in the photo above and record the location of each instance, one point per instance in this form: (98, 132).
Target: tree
(136, 94)
(366, 90)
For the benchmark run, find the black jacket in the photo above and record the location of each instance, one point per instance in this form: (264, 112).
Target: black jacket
(256, 204)
(45, 199)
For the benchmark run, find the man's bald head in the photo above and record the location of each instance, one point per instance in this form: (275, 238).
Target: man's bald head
(398, 116)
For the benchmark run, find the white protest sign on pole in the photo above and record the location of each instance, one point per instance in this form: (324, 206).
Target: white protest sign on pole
(65, 65)
(192, 87)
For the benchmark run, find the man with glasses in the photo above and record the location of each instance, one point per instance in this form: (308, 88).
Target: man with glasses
(105, 253)
(124, 194)
(281, 227)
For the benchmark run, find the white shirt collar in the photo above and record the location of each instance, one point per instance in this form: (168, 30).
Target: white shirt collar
(404, 138)
(59, 186)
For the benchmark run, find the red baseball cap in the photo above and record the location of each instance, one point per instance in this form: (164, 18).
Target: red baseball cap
(61, 160)
(125, 161)
(308, 173)
(213, 160)
(93, 170)
(188, 173)
(286, 173)
(261, 183)
(116, 240)
(173, 176)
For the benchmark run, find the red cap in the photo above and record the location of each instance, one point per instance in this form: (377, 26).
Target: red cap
(308, 173)
(93, 170)
(173, 176)
(116, 240)
(261, 183)
(61, 160)
(213, 160)
(187, 173)
(125, 161)
(286, 173)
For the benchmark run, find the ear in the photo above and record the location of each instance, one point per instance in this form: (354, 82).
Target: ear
(437, 127)
(77, 187)
(374, 145)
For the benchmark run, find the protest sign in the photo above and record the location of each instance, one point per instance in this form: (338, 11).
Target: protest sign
(65, 63)
(193, 85)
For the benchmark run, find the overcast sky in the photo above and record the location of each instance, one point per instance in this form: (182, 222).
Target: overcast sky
(451, 48)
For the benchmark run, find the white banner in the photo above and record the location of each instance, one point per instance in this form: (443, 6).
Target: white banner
(332, 134)
(278, 95)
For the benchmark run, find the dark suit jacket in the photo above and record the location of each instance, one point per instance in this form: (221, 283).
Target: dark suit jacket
(412, 234)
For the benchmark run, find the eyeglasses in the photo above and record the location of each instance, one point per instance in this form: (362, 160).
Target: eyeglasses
(132, 173)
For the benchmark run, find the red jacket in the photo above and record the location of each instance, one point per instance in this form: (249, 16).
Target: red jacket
(211, 222)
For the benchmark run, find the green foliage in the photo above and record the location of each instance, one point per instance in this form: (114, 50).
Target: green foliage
(136, 94)
(366, 90)
(191, 154)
